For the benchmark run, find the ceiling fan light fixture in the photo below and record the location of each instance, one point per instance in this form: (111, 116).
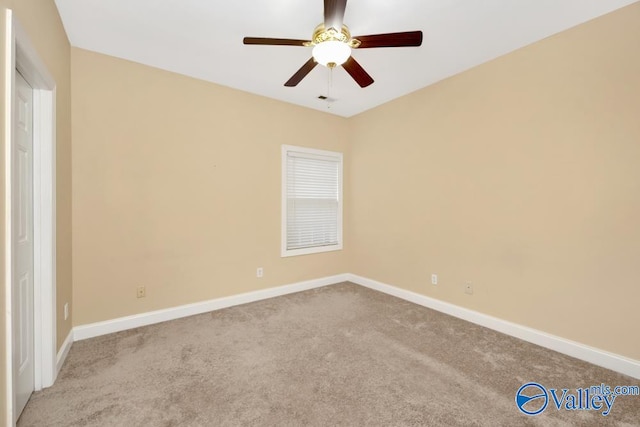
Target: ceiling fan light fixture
(331, 53)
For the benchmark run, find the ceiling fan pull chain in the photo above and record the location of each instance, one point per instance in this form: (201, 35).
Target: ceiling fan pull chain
(329, 86)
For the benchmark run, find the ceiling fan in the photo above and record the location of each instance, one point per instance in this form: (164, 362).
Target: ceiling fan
(332, 44)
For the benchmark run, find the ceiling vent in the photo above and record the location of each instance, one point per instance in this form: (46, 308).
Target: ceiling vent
(326, 98)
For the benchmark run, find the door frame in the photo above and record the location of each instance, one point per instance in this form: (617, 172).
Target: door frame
(22, 56)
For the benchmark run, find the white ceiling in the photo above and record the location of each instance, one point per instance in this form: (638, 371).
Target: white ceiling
(203, 39)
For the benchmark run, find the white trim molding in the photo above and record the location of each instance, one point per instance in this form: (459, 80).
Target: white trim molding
(580, 351)
(36, 73)
(8, 74)
(21, 55)
(64, 352)
(129, 322)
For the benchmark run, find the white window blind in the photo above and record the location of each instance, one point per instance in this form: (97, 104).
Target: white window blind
(312, 201)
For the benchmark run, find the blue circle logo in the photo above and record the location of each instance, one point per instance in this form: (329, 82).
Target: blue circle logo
(532, 399)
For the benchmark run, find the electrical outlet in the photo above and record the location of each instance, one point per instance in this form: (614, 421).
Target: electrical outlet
(468, 288)
(66, 311)
(259, 272)
(434, 279)
(141, 292)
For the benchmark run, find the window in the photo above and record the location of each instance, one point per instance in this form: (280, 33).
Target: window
(311, 201)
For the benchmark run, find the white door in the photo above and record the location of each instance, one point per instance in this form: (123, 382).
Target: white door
(22, 230)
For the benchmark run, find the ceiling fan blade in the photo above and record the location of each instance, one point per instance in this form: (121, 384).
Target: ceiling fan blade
(358, 73)
(334, 14)
(408, 38)
(274, 42)
(301, 73)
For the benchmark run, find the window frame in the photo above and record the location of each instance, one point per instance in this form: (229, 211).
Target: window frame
(284, 206)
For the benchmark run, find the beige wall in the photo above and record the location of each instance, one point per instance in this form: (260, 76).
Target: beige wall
(520, 176)
(176, 187)
(40, 20)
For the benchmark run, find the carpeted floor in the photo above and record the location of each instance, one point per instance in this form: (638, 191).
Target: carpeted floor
(339, 355)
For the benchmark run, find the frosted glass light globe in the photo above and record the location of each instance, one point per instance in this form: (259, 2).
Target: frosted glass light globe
(331, 53)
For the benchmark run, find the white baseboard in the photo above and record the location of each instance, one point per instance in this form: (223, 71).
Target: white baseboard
(589, 354)
(129, 322)
(580, 351)
(63, 352)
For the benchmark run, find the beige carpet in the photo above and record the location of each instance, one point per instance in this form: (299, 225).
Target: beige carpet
(339, 355)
